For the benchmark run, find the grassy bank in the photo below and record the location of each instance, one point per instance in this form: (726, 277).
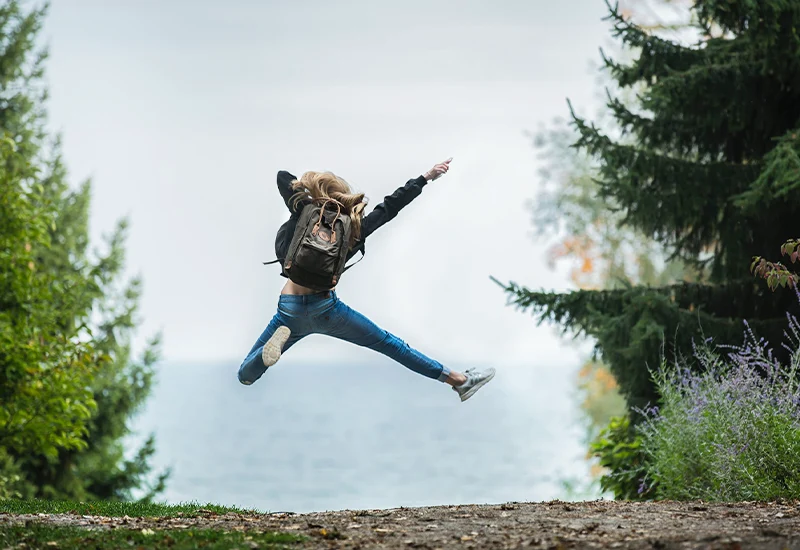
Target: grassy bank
(115, 509)
(29, 534)
(77, 538)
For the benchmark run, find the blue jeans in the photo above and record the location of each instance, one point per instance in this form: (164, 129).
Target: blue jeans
(324, 313)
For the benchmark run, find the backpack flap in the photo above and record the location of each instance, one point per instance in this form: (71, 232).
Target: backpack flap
(319, 250)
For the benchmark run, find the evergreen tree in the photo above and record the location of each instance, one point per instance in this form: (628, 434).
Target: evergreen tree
(704, 164)
(86, 302)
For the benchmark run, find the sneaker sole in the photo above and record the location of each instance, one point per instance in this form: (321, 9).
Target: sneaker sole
(272, 349)
(477, 386)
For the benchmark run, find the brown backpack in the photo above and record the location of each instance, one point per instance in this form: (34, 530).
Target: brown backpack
(318, 251)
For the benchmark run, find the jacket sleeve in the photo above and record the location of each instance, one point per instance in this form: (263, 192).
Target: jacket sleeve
(285, 180)
(391, 205)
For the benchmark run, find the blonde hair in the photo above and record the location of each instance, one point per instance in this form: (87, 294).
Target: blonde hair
(327, 185)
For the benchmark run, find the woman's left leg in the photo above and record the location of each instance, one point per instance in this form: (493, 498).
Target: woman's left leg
(347, 324)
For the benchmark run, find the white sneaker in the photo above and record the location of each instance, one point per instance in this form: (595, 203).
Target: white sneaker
(272, 349)
(475, 380)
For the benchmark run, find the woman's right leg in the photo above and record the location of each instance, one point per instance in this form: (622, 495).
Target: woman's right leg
(253, 367)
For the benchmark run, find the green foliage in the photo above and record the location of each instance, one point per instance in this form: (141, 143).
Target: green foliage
(778, 182)
(45, 372)
(619, 450)
(76, 538)
(704, 164)
(10, 477)
(68, 383)
(100, 471)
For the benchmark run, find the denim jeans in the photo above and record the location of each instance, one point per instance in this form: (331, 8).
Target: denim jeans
(324, 313)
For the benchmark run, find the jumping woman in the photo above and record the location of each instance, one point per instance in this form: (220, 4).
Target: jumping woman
(326, 228)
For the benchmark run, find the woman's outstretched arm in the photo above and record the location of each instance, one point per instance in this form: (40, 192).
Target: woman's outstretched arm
(392, 204)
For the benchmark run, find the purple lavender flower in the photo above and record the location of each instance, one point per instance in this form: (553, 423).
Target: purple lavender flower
(731, 430)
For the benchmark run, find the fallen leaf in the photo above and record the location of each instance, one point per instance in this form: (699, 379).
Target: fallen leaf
(324, 533)
(147, 531)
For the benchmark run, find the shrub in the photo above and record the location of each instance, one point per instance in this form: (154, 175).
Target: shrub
(619, 450)
(730, 432)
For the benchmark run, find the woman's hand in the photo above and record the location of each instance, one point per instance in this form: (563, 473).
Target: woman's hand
(438, 170)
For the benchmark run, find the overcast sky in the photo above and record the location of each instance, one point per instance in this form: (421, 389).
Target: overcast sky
(181, 112)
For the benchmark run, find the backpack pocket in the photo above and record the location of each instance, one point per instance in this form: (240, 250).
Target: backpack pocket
(317, 257)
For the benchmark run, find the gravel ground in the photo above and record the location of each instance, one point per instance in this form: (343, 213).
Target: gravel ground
(600, 524)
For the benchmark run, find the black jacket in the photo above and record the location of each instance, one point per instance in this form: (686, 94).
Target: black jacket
(385, 211)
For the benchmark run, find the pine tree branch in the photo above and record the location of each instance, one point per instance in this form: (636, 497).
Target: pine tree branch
(657, 57)
(651, 189)
(779, 181)
(635, 328)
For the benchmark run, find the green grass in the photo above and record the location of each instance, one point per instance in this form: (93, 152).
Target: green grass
(34, 536)
(113, 509)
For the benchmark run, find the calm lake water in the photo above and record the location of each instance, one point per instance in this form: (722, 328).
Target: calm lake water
(314, 437)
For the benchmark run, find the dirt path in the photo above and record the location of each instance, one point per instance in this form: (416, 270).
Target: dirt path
(663, 525)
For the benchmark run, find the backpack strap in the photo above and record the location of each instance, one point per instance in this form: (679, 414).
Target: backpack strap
(361, 249)
(272, 262)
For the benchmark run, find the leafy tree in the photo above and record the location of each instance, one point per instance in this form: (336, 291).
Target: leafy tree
(81, 315)
(45, 374)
